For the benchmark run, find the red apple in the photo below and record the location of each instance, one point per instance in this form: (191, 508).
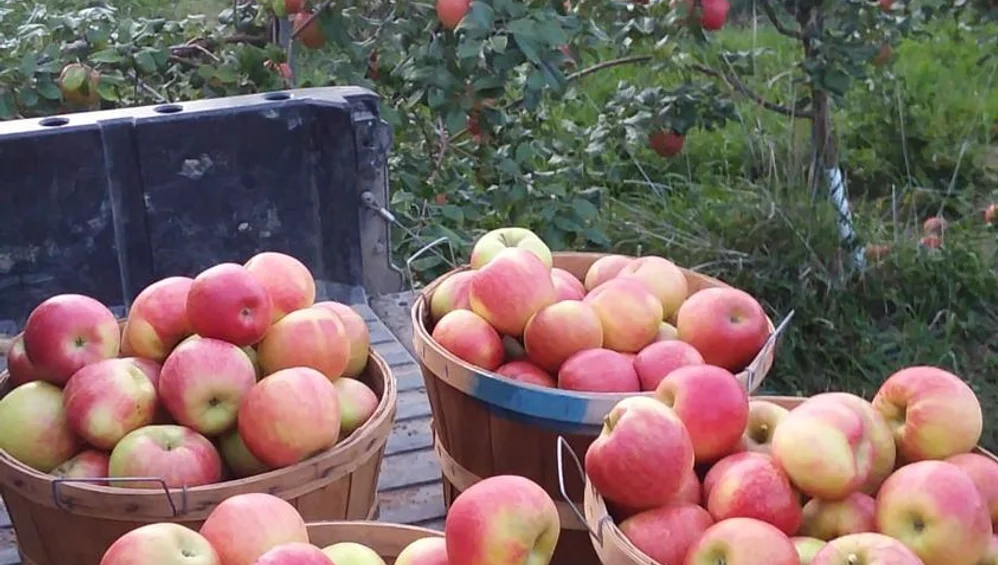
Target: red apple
(629, 312)
(245, 526)
(666, 143)
(559, 331)
(642, 455)
(107, 399)
(527, 372)
(713, 14)
(313, 337)
(225, 302)
(991, 214)
(713, 406)
(287, 280)
(665, 534)
(501, 519)
(162, 543)
(357, 404)
(689, 489)
(743, 541)
(424, 551)
(21, 370)
(655, 362)
(36, 431)
(934, 225)
(882, 439)
(726, 325)
(719, 469)
(598, 370)
(983, 471)
(157, 320)
(566, 286)
(470, 338)
(357, 334)
(87, 464)
(866, 549)
(238, 457)
(178, 455)
(931, 241)
(67, 332)
(294, 553)
(203, 382)
(755, 487)
(663, 278)
(830, 519)
(510, 289)
(452, 294)
(604, 269)
(763, 418)
(289, 416)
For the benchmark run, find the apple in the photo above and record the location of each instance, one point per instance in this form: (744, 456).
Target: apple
(877, 252)
(667, 332)
(825, 449)
(932, 412)
(763, 417)
(604, 269)
(255, 359)
(308, 30)
(527, 372)
(713, 406)
(20, 369)
(357, 334)
(713, 14)
(157, 320)
(493, 243)
(719, 469)
(807, 548)
(566, 286)
(451, 12)
(424, 551)
(991, 214)
(629, 312)
(865, 549)
(294, 553)
(87, 464)
(726, 325)
(287, 280)
(452, 294)
(66, 332)
(353, 553)
(225, 302)
(884, 449)
(991, 557)
(107, 399)
(935, 509)
(755, 487)
(830, 519)
(202, 383)
(663, 278)
(689, 489)
(500, 520)
(469, 337)
(357, 404)
(510, 289)
(983, 471)
(934, 225)
(666, 143)
(178, 455)
(36, 430)
(742, 541)
(931, 241)
(290, 415)
(314, 337)
(657, 360)
(598, 370)
(665, 534)
(245, 526)
(78, 84)
(559, 331)
(642, 454)
(238, 458)
(162, 543)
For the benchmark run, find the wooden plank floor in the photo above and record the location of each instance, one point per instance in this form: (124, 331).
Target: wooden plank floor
(409, 490)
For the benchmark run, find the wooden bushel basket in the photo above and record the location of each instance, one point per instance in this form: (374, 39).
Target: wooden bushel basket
(609, 542)
(485, 425)
(388, 540)
(68, 522)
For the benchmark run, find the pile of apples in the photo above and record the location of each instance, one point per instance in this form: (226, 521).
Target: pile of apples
(501, 520)
(699, 474)
(232, 373)
(621, 329)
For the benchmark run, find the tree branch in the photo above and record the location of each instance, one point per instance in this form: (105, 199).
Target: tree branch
(780, 27)
(744, 90)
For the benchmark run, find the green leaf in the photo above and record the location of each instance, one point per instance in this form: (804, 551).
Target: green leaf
(107, 91)
(453, 213)
(48, 90)
(106, 56)
(499, 43)
(7, 105)
(145, 62)
(584, 209)
(469, 49)
(29, 64)
(28, 97)
(479, 18)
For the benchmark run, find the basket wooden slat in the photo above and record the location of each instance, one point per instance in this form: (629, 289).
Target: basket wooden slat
(72, 523)
(486, 425)
(388, 540)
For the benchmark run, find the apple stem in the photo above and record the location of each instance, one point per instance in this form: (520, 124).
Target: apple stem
(608, 423)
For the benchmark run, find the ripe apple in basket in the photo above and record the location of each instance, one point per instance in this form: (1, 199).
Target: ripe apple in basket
(87, 464)
(763, 418)
(984, 472)
(163, 543)
(357, 403)
(598, 370)
(830, 519)
(865, 549)
(357, 334)
(287, 280)
(469, 337)
(561, 330)
(67, 332)
(510, 289)
(245, 526)
(527, 372)
(238, 457)
(666, 533)
(353, 553)
(501, 520)
(726, 325)
(884, 450)
(107, 399)
(604, 269)
(655, 362)
(743, 541)
(313, 337)
(661, 276)
(157, 320)
(566, 286)
(21, 369)
(35, 429)
(225, 302)
(754, 486)
(451, 294)
(629, 312)
(178, 455)
(807, 548)
(490, 245)
(295, 553)
(424, 551)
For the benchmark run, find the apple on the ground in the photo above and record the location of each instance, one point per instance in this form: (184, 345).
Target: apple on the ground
(357, 404)
(469, 337)
(598, 370)
(357, 334)
(493, 243)
(510, 289)
(157, 320)
(830, 519)
(807, 548)
(87, 464)
(287, 280)
(502, 515)
(290, 415)
(225, 302)
(66, 332)
(641, 456)
(657, 360)
(743, 541)
(865, 549)
(726, 325)
(881, 436)
(294, 553)
(451, 294)
(314, 337)
(763, 418)
(604, 269)
(661, 276)
(203, 382)
(559, 331)
(245, 526)
(425, 551)
(566, 286)
(36, 431)
(629, 312)
(932, 412)
(755, 487)
(162, 543)
(352, 553)
(239, 459)
(665, 534)
(179, 456)
(983, 471)
(527, 372)
(107, 399)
